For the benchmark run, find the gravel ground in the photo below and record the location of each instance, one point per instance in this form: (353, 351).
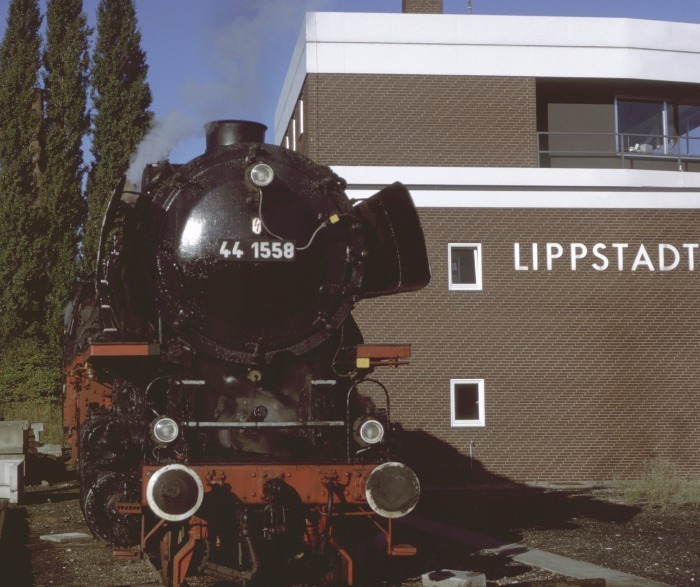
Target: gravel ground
(592, 525)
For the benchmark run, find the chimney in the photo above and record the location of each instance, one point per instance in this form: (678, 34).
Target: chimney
(222, 133)
(421, 6)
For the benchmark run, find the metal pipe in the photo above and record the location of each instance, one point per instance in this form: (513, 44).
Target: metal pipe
(264, 424)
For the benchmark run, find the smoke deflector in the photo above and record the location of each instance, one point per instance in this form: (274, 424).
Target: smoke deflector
(397, 259)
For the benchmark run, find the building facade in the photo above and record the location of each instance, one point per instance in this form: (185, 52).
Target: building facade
(554, 165)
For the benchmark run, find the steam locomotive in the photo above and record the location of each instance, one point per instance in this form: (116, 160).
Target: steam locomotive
(219, 402)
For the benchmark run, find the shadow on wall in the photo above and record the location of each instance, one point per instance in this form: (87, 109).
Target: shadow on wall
(437, 463)
(459, 494)
(459, 490)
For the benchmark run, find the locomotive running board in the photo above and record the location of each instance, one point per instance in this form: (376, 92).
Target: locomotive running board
(113, 349)
(381, 355)
(121, 349)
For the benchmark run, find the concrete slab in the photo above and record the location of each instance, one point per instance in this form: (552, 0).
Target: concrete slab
(55, 450)
(529, 556)
(65, 537)
(447, 578)
(14, 437)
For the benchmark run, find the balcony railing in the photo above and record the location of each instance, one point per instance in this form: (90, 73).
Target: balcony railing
(624, 150)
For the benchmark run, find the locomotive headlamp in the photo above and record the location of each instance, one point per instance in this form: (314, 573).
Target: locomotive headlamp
(261, 174)
(164, 430)
(368, 431)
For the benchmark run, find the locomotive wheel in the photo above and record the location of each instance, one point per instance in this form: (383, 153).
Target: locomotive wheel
(104, 521)
(104, 441)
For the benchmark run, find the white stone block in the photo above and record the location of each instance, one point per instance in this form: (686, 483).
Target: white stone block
(11, 477)
(13, 437)
(38, 428)
(446, 578)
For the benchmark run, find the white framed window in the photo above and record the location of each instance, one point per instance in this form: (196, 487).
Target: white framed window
(467, 403)
(301, 118)
(464, 263)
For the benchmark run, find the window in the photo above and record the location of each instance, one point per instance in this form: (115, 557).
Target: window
(467, 407)
(658, 127)
(301, 118)
(689, 130)
(464, 266)
(644, 125)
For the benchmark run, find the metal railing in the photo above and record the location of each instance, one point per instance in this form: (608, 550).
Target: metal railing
(625, 147)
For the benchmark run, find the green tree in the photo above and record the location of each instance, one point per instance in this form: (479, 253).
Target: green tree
(121, 101)
(66, 122)
(22, 275)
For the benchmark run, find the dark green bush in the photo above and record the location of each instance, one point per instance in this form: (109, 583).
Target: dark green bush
(30, 370)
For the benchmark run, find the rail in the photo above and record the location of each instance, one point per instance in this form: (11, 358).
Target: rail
(625, 147)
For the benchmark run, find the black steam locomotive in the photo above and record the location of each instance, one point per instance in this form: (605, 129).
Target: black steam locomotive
(219, 404)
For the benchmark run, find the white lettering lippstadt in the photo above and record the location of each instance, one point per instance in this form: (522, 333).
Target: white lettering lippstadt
(602, 256)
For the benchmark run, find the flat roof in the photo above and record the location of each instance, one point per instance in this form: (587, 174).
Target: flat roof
(528, 46)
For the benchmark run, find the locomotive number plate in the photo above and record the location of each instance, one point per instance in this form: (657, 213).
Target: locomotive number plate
(255, 250)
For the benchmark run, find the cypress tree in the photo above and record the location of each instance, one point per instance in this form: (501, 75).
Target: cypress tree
(22, 281)
(66, 123)
(121, 101)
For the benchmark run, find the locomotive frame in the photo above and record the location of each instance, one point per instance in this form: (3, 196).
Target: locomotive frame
(246, 439)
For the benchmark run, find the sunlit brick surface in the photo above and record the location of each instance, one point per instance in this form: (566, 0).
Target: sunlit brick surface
(588, 374)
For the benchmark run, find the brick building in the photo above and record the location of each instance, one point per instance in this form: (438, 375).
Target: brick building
(554, 163)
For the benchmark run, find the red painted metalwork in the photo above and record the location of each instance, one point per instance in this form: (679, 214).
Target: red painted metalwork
(312, 482)
(309, 481)
(383, 355)
(84, 390)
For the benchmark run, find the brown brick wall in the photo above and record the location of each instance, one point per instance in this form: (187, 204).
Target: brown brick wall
(420, 120)
(588, 374)
(421, 6)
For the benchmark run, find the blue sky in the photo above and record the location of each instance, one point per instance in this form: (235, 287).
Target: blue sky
(227, 58)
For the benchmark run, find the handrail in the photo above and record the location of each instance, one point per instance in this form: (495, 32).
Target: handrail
(633, 146)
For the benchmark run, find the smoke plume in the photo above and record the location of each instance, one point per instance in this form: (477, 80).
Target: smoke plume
(250, 54)
(245, 54)
(158, 143)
